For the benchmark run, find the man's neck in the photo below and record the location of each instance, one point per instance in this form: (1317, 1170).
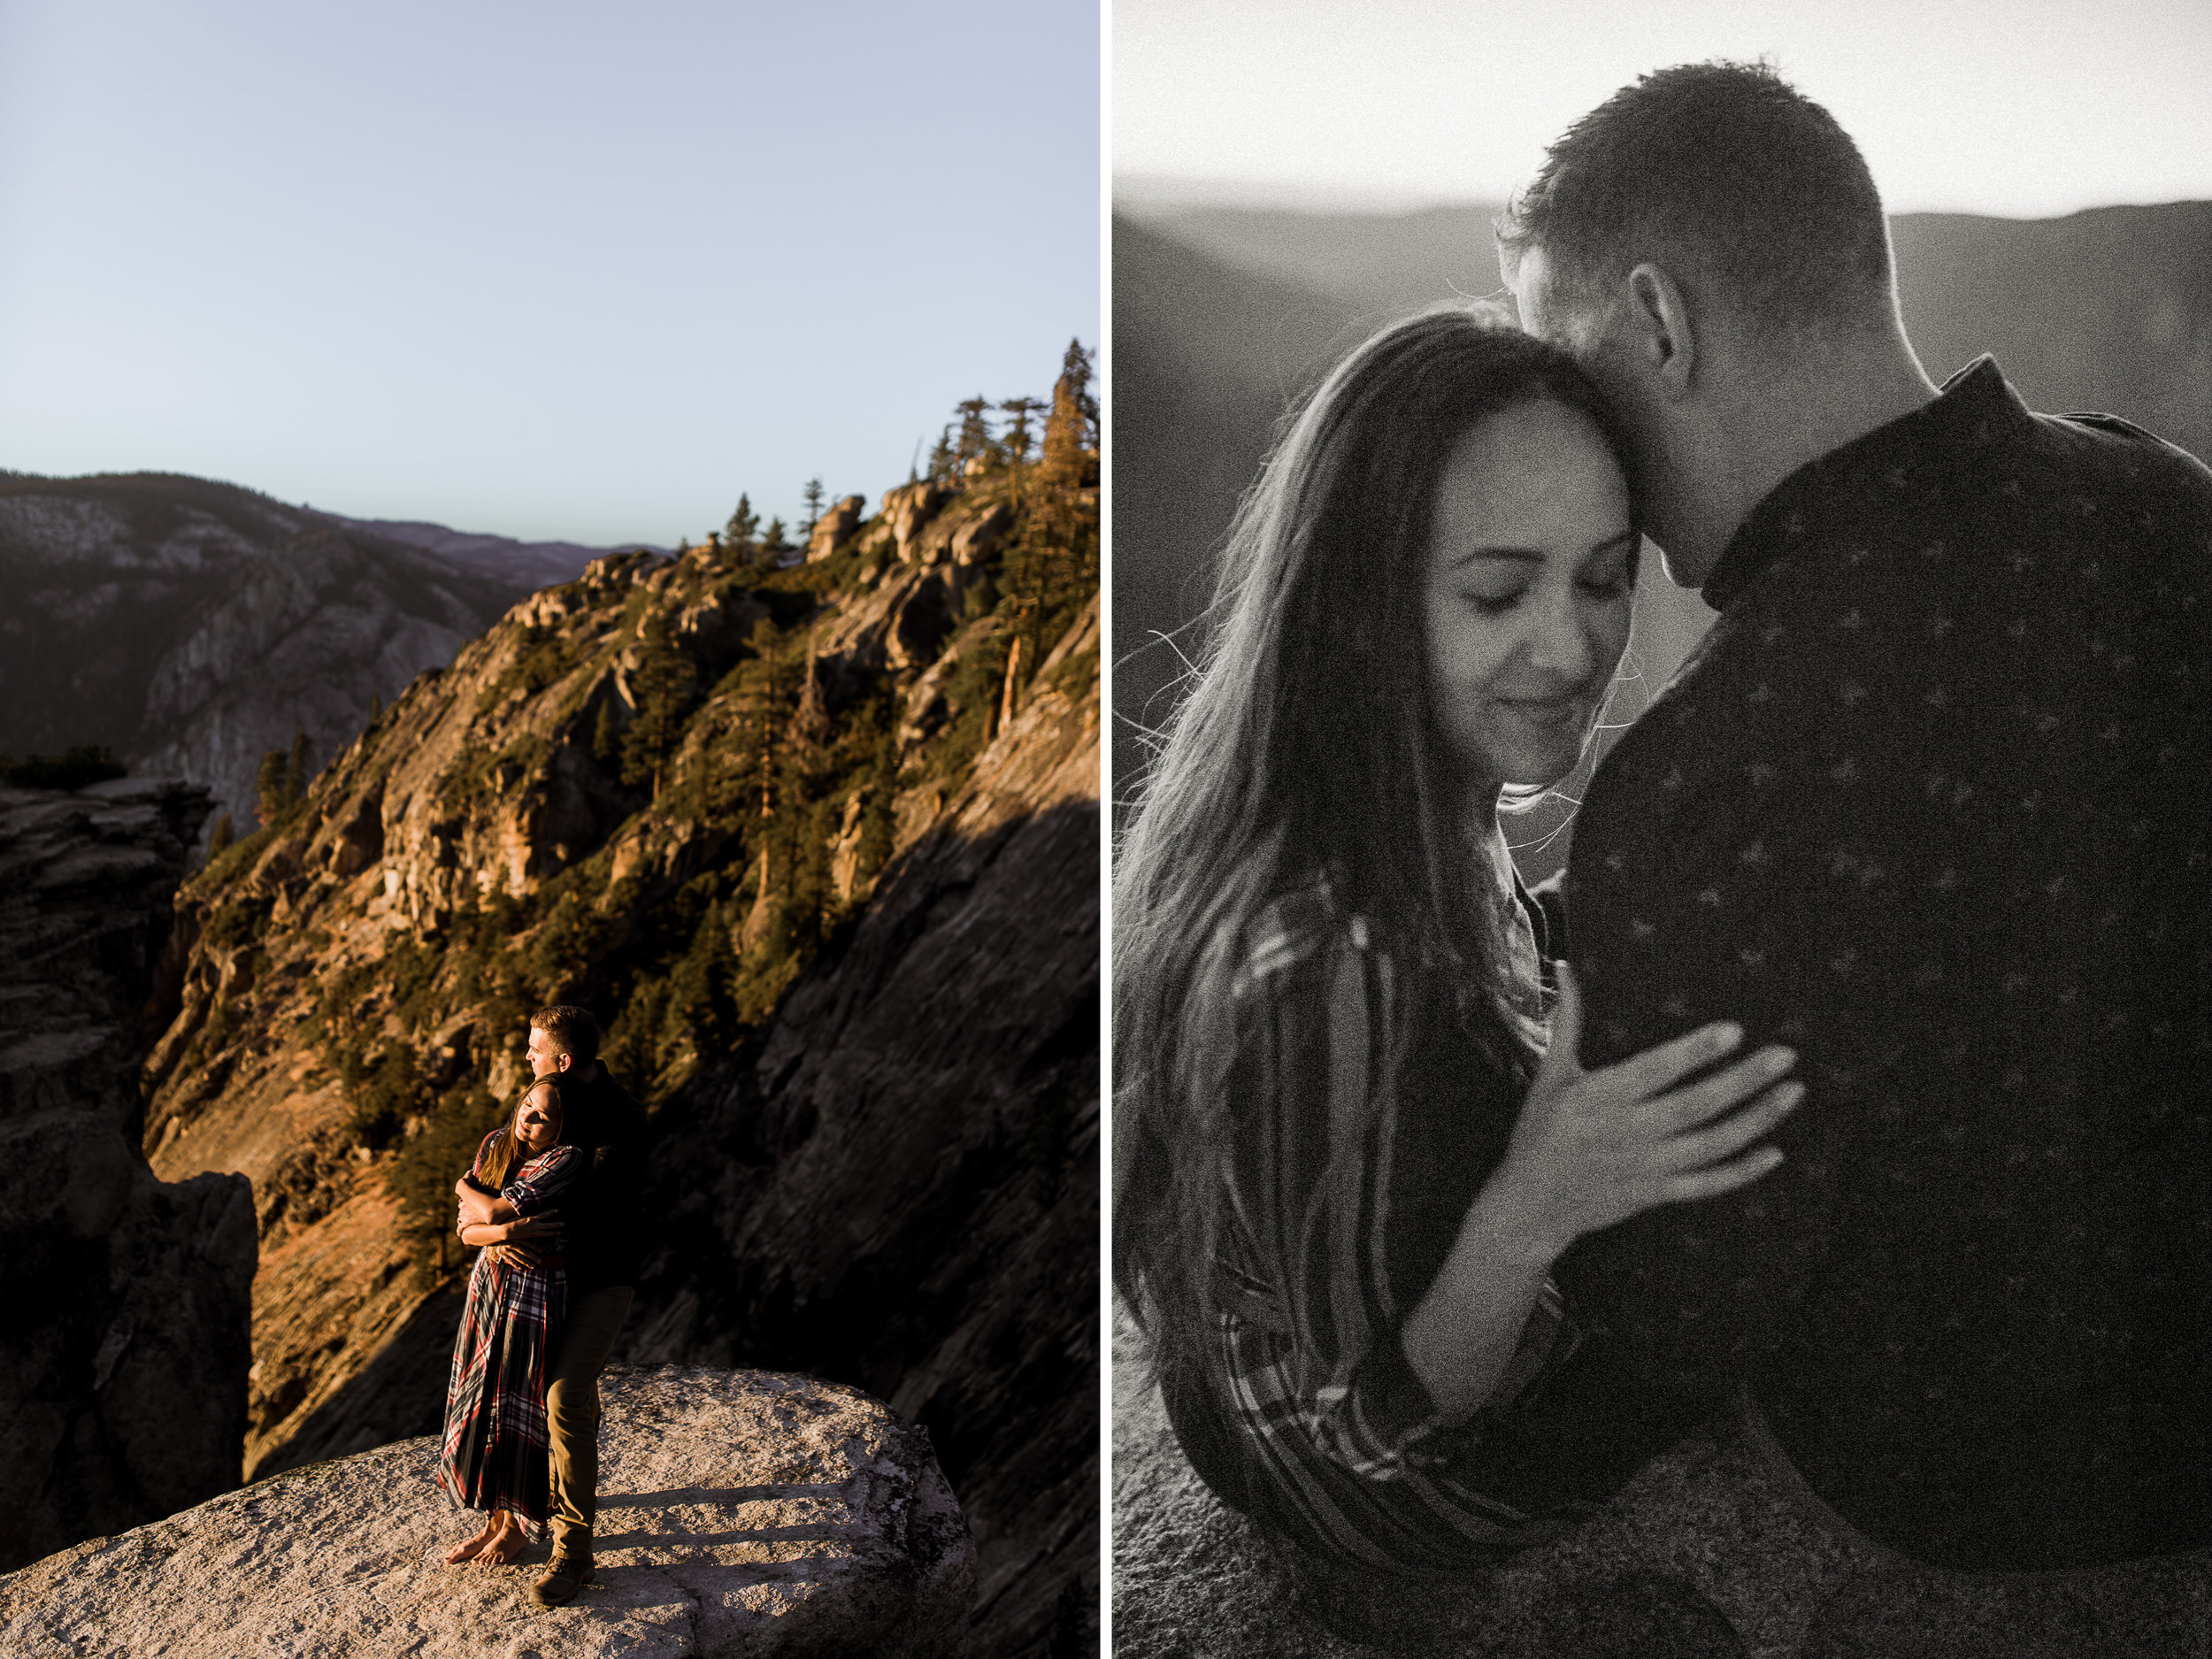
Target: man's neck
(1797, 406)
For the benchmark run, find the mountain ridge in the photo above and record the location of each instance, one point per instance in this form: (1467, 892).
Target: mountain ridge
(191, 625)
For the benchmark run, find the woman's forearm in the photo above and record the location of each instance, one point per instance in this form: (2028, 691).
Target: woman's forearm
(480, 1209)
(1462, 1334)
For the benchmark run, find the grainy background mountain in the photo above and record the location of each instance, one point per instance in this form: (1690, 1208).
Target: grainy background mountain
(1222, 316)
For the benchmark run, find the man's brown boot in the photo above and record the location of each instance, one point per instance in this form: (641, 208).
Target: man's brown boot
(564, 1576)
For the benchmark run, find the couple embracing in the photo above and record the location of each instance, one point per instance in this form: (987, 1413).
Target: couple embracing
(552, 1202)
(1852, 1088)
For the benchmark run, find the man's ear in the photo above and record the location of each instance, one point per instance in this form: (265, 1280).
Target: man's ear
(1658, 325)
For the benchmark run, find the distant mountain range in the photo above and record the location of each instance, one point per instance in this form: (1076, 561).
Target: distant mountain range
(192, 625)
(1224, 316)
(535, 565)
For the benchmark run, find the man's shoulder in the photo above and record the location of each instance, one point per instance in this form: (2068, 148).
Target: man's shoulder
(606, 1088)
(617, 1109)
(2104, 455)
(2093, 433)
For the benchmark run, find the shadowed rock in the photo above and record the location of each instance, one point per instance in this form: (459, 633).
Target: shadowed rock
(743, 1512)
(123, 1379)
(1704, 1556)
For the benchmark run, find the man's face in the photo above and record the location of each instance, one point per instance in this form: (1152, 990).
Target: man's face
(1589, 337)
(545, 1060)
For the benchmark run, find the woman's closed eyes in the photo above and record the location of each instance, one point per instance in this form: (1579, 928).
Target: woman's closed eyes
(1607, 574)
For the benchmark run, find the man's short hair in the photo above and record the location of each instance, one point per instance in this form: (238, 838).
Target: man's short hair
(1741, 188)
(572, 1031)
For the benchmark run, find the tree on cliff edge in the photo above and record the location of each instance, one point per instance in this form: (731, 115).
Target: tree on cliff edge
(665, 686)
(1055, 564)
(269, 788)
(741, 534)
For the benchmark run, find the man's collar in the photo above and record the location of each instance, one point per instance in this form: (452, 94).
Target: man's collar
(1975, 408)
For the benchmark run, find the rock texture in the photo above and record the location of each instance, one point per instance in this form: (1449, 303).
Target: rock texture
(192, 627)
(834, 528)
(1704, 1556)
(849, 960)
(744, 1513)
(902, 1184)
(123, 1379)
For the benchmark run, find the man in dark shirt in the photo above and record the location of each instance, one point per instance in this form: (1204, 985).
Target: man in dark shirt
(1929, 803)
(601, 1225)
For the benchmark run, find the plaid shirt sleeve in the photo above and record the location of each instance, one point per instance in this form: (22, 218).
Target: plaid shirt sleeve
(1313, 1182)
(537, 1183)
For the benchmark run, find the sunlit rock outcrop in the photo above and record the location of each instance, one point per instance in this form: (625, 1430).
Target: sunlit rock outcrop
(744, 1513)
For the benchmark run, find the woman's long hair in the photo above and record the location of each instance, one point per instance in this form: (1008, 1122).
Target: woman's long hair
(506, 1150)
(1307, 744)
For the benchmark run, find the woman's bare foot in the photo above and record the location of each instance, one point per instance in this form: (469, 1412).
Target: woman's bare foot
(504, 1546)
(468, 1550)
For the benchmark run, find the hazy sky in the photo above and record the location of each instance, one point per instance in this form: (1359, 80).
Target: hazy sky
(2024, 108)
(548, 269)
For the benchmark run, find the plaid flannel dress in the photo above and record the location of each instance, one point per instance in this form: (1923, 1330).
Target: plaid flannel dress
(1349, 1178)
(493, 1453)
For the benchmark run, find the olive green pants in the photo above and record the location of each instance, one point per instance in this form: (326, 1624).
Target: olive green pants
(571, 1413)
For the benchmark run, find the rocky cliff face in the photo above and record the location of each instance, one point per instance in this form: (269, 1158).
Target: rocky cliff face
(897, 1184)
(123, 1379)
(742, 1514)
(192, 627)
(827, 871)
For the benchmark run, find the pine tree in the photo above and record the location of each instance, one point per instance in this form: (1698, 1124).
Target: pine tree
(295, 773)
(269, 788)
(1071, 429)
(1018, 434)
(665, 687)
(774, 539)
(943, 458)
(1055, 559)
(743, 527)
(812, 495)
(975, 431)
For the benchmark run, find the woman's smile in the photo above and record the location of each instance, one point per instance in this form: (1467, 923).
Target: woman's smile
(1573, 708)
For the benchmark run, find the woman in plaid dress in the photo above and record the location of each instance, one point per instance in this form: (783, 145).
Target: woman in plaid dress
(1346, 1158)
(494, 1445)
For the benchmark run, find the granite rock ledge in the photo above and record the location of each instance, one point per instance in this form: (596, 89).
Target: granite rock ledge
(741, 1512)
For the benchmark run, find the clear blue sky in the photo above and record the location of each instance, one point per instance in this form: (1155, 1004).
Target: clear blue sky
(2023, 107)
(557, 269)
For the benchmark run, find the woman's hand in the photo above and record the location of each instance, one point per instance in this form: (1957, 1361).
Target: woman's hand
(1591, 1148)
(518, 1241)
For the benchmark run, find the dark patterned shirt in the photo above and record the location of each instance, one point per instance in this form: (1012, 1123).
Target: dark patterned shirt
(1930, 803)
(604, 1222)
